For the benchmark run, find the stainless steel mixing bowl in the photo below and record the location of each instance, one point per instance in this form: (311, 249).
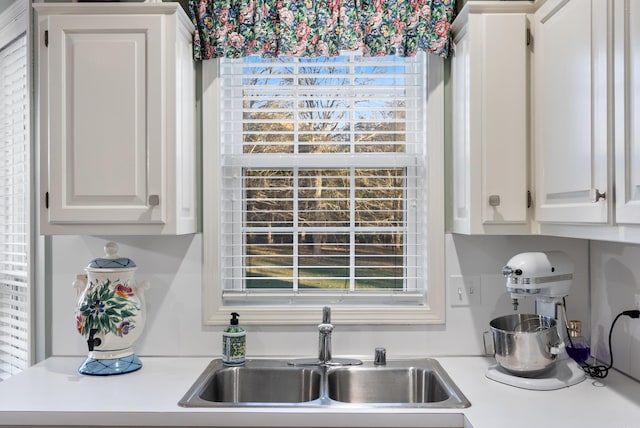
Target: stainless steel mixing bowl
(525, 344)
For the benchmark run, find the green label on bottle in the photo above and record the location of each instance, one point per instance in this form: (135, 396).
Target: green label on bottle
(234, 348)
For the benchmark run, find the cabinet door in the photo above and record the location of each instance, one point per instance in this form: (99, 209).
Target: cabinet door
(499, 115)
(105, 155)
(571, 119)
(489, 132)
(627, 110)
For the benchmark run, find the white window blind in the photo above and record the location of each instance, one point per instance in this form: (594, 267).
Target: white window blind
(14, 209)
(323, 166)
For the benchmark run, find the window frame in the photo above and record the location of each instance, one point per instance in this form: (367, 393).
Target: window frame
(14, 24)
(216, 312)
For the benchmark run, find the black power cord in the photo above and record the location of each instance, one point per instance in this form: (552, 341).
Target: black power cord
(601, 371)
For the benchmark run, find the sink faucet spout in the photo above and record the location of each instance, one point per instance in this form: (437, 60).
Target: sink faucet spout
(324, 343)
(324, 347)
(326, 315)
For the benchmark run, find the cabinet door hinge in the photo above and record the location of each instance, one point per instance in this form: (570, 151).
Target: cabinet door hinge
(46, 38)
(46, 200)
(529, 39)
(529, 199)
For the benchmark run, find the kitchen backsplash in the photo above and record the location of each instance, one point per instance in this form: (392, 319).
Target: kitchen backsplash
(615, 281)
(172, 265)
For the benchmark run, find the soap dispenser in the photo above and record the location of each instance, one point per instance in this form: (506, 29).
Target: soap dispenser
(234, 342)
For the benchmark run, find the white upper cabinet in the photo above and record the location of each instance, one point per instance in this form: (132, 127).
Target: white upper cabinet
(571, 115)
(627, 110)
(490, 121)
(116, 97)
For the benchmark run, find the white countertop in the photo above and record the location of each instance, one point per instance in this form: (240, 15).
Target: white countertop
(53, 393)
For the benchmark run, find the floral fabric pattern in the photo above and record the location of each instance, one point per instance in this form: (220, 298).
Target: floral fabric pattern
(312, 28)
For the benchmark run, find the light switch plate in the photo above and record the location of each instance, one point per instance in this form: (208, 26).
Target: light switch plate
(464, 290)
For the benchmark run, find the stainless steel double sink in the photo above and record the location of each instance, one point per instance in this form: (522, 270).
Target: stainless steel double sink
(415, 383)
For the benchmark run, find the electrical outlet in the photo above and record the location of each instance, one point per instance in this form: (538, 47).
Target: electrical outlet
(464, 290)
(637, 297)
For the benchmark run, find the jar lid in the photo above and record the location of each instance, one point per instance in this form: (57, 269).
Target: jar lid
(575, 328)
(111, 259)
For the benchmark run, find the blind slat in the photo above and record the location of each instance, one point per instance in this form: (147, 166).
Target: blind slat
(13, 311)
(13, 353)
(16, 334)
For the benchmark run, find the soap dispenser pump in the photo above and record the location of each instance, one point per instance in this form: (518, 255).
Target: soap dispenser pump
(234, 342)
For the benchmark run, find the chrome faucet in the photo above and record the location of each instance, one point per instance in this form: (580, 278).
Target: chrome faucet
(324, 343)
(324, 347)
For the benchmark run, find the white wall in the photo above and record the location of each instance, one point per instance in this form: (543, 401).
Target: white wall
(172, 265)
(615, 281)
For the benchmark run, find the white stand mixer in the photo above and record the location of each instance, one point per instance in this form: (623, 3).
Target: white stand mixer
(547, 276)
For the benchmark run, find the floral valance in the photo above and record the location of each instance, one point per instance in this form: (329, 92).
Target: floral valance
(311, 28)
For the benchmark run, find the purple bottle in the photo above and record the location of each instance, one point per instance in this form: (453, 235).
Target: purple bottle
(577, 345)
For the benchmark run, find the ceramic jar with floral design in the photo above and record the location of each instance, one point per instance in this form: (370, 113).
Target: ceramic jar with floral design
(110, 313)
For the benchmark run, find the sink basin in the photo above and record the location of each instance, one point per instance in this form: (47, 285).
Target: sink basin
(257, 382)
(398, 382)
(421, 383)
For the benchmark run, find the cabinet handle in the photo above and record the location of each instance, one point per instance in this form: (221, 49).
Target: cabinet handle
(154, 200)
(595, 195)
(494, 200)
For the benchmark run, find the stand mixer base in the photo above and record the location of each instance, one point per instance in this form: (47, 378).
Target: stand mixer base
(563, 374)
(110, 366)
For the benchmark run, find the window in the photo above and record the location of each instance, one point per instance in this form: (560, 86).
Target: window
(14, 193)
(317, 191)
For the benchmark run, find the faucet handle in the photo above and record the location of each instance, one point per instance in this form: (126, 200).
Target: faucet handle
(92, 341)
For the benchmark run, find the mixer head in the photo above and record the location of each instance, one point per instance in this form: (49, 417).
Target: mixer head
(544, 275)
